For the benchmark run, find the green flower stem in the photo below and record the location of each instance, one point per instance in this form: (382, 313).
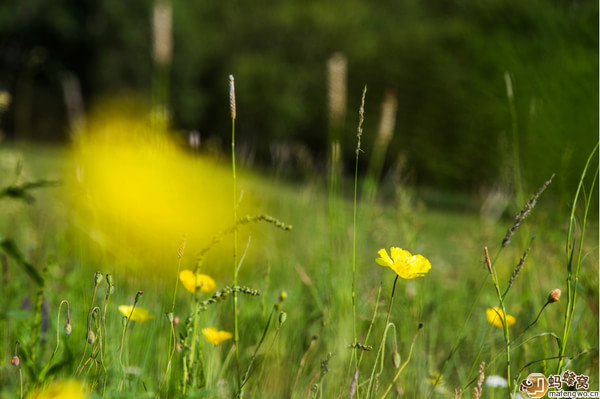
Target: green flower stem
(96, 283)
(58, 324)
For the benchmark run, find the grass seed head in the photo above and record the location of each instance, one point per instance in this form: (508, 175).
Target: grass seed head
(232, 96)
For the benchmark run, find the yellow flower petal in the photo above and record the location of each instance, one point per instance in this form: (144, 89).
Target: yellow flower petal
(399, 254)
(215, 336)
(139, 314)
(205, 282)
(495, 317)
(384, 259)
(403, 263)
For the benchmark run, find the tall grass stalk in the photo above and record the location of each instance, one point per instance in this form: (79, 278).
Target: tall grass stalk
(361, 118)
(235, 249)
(572, 279)
(502, 317)
(517, 180)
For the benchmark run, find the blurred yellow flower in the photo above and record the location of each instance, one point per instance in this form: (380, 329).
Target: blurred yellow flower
(65, 389)
(215, 336)
(139, 314)
(496, 317)
(404, 263)
(204, 282)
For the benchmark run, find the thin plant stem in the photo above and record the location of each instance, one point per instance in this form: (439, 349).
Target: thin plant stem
(137, 297)
(572, 283)
(303, 362)
(171, 353)
(21, 380)
(382, 342)
(372, 322)
(257, 348)
(461, 331)
(96, 283)
(172, 338)
(502, 318)
(361, 114)
(235, 205)
(404, 364)
(58, 324)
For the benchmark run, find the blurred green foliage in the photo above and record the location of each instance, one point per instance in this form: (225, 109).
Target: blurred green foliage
(445, 60)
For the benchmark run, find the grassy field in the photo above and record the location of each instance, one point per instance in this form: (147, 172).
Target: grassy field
(295, 338)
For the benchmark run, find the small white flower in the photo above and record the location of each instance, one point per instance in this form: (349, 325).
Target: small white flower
(495, 381)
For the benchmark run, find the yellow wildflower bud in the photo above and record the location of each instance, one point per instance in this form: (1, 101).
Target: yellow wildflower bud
(554, 296)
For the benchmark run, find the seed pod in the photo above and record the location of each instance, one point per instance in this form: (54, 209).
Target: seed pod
(91, 337)
(170, 317)
(109, 279)
(68, 328)
(554, 296)
(282, 317)
(282, 296)
(396, 359)
(15, 361)
(98, 278)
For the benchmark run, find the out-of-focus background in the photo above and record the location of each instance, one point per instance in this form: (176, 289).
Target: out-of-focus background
(444, 62)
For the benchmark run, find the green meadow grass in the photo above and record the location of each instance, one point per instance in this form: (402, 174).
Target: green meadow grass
(309, 355)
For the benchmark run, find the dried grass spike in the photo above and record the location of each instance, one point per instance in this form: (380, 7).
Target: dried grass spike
(232, 96)
(524, 213)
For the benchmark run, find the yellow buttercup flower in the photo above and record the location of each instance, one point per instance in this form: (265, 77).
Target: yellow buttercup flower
(65, 389)
(404, 263)
(139, 314)
(215, 336)
(203, 281)
(496, 317)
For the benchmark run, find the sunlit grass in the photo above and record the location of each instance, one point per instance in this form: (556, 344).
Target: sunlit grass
(295, 262)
